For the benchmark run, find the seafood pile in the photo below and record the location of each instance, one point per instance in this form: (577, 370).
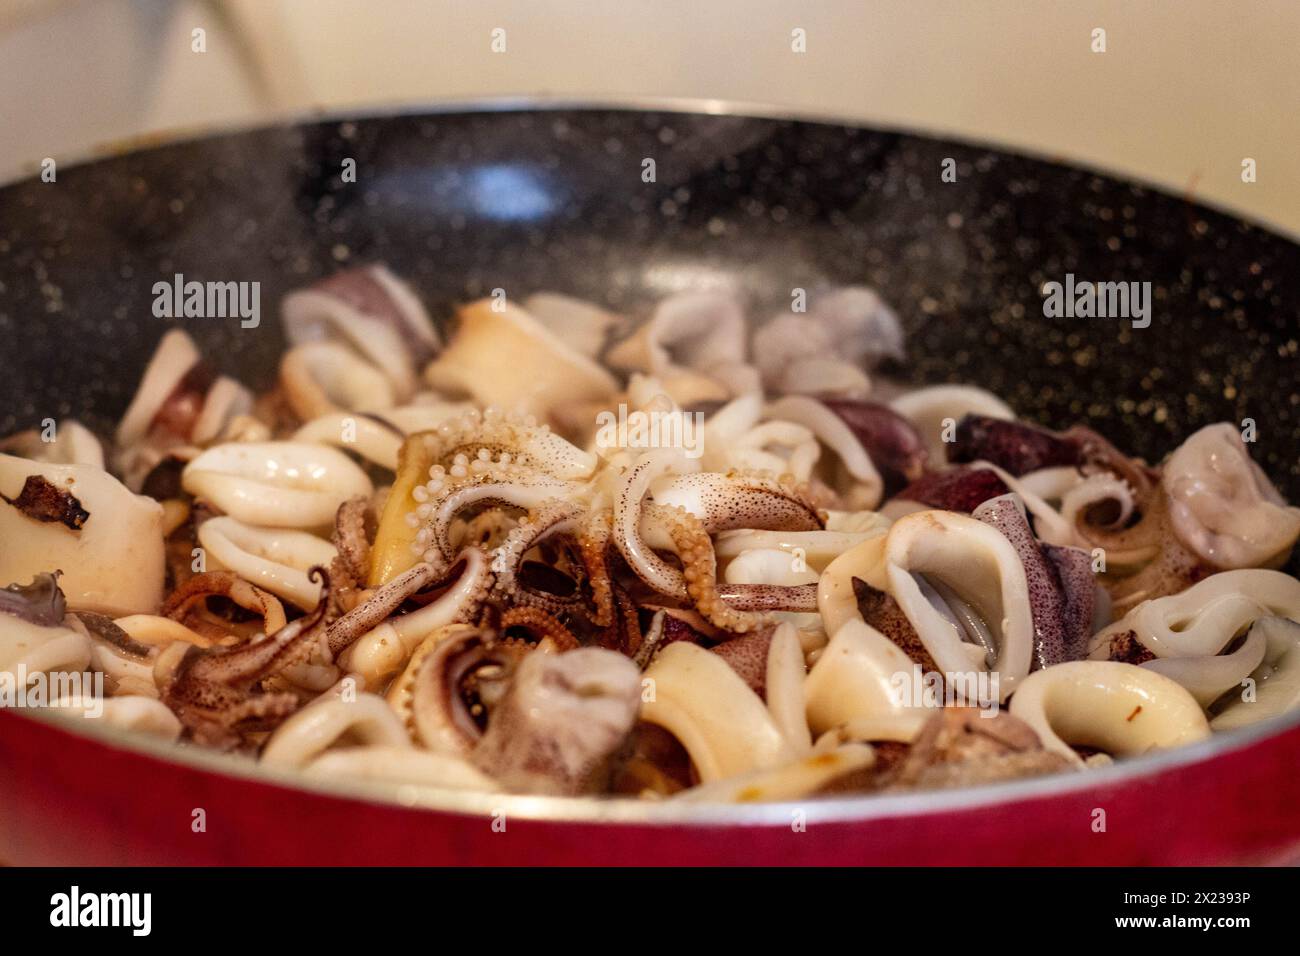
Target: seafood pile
(546, 548)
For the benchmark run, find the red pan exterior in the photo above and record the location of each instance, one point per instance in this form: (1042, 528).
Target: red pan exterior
(99, 805)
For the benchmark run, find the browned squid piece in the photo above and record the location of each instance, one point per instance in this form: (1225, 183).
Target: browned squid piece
(220, 695)
(535, 720)
(216, 692)
(562, 719)
(224, 607)
(964, 746)
(957, 747)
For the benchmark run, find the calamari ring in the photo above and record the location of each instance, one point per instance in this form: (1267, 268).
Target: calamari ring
(1117, 708)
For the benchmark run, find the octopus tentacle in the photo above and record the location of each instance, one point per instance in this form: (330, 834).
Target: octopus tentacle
(700, 572)
(487, 530)
(438, 713)
(401, 691)
(456, 598)
(554, 516)
(800, 598)
(350, 539)
(655, 637)
(721, 502)
(462, 462)
(493, 440)
(458, 594)
(542, 624)
(629, 507)
(351, 564)
(261, 659)
(434, 517)
(187, 604)
(212, 690)
(751, 500)
(623, 633)
(593, 549)
(382, 603)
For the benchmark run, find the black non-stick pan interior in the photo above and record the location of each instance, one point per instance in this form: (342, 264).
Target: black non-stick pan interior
(523, 200)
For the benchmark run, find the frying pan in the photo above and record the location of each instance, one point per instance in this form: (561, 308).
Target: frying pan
(525, 197)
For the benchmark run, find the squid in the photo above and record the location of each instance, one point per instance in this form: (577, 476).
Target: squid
(423, 558)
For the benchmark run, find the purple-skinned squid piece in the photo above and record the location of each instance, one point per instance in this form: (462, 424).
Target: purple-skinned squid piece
(1061, 585)
(1014, 446)
(895, 446)
(958, 489)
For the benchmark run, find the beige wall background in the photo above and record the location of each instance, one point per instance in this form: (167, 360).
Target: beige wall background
(1184, 92)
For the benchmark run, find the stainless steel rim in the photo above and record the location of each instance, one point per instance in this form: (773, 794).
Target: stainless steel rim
(630, 810)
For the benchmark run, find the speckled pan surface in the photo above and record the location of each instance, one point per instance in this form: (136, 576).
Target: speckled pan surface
(462, 203)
